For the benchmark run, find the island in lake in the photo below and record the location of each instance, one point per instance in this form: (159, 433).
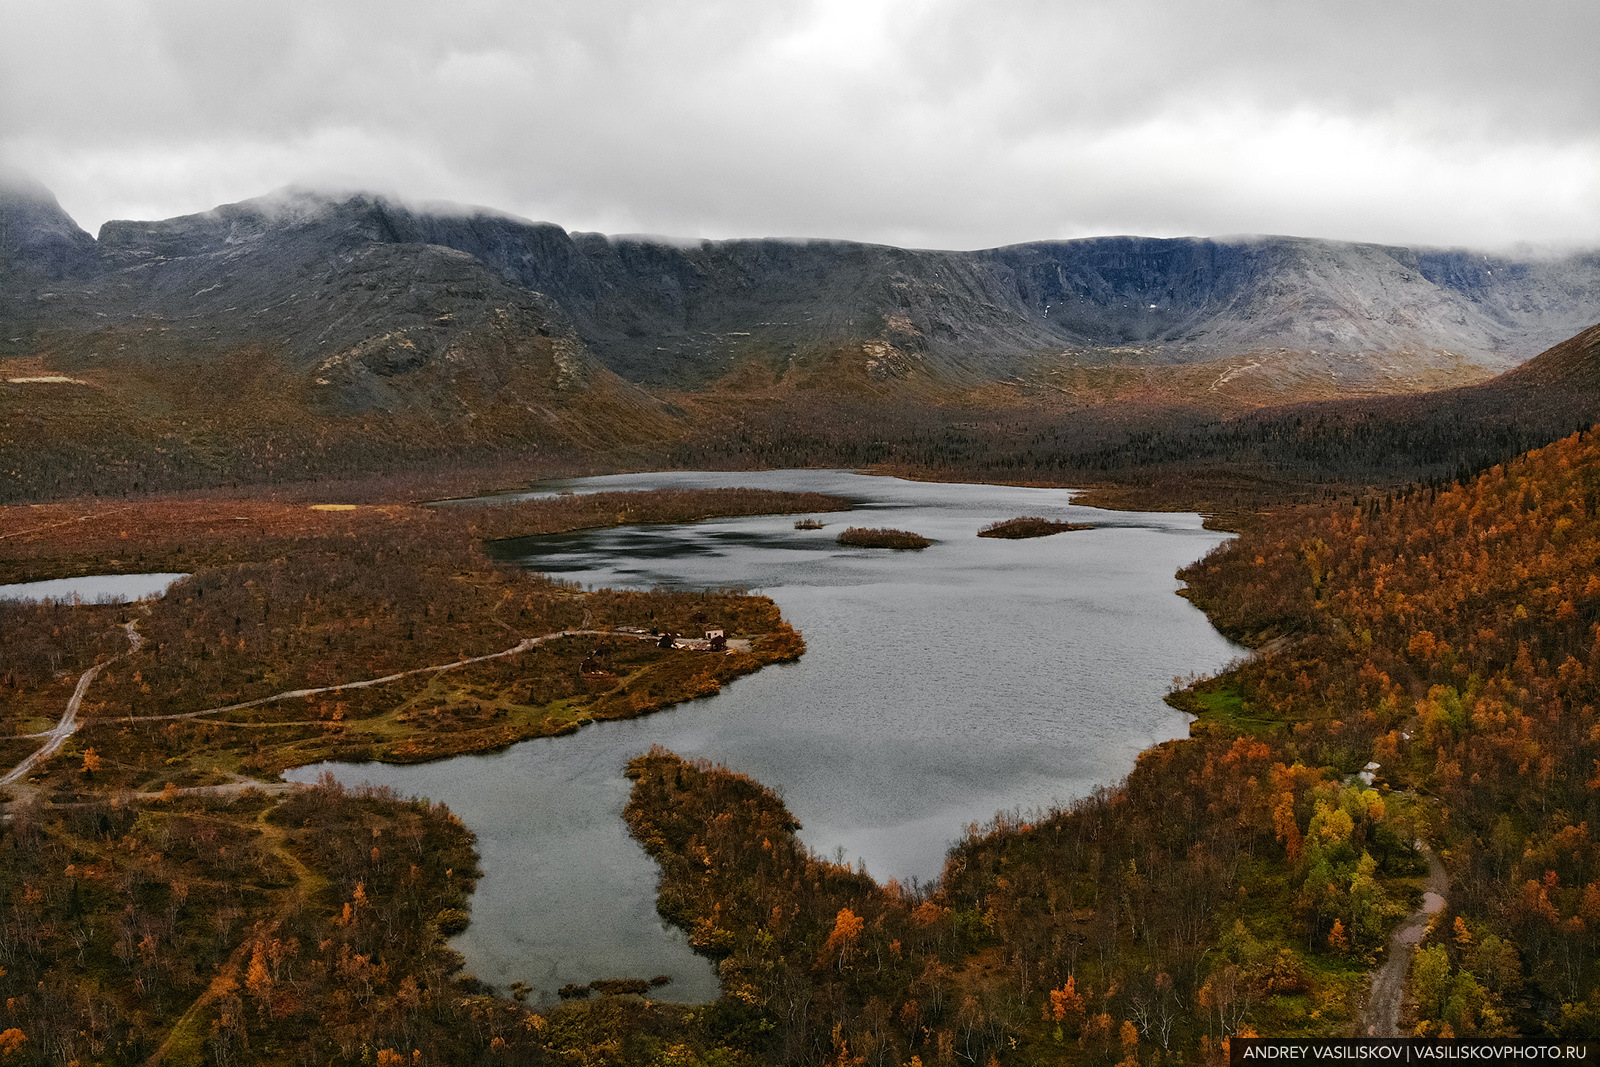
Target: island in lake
(1030, 526)
(865, 537)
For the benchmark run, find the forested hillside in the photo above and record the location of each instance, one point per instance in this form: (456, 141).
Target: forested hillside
(1244, 880)
(1454, 636)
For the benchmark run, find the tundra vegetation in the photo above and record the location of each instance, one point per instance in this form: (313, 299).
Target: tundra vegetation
(285, 598)
(161, 897)
(1030, 526)
(871, 537)
(1240, 881)
(1243, 880)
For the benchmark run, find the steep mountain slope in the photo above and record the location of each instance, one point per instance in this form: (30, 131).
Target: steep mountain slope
(36, 236)
(367, 321)
(278, 339)
(1566, 375)
(1196, 297)
(684, 313)
(687, 313)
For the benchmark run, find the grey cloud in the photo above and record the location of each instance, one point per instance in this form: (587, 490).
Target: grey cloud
(950, 122)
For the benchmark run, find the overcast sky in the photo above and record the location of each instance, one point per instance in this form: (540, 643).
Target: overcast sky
(940, 123)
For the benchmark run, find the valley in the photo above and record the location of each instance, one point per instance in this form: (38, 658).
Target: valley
(920, 705)
(303, 336)
(319, 413)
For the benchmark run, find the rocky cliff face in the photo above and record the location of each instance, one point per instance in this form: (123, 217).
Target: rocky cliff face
(366, 319)
(364, 294)
(37, 238)
(684, 313)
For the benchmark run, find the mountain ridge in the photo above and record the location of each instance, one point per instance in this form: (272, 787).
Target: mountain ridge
(686, 314)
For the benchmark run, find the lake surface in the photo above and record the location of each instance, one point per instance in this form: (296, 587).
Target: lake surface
(938, 687)
(93, 588)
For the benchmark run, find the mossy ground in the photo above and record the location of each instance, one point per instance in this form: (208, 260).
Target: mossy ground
(1221, 710)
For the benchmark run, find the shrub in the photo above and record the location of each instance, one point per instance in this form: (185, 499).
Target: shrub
(862, 537)
(451, 921)
(1030, 526)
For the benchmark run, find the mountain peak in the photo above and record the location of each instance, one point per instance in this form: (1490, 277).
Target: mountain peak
(36, 234)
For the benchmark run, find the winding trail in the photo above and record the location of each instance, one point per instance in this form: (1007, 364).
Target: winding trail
(1381, 1017)
(64, 729)
(527, 644)
(68, 725)
(189, 1030)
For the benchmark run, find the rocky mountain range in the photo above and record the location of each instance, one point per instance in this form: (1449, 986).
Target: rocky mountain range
(377, 305)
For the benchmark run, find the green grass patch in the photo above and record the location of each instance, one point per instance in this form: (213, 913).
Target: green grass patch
(1222, 710)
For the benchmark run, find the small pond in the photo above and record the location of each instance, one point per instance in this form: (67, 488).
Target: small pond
(93, 588)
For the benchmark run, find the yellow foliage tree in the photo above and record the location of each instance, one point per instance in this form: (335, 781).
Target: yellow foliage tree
(1065, 1003)
(1337, 941)
(841, 944)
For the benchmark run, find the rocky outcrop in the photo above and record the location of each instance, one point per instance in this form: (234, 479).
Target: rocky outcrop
(37, 238)
(366, 316)
(367, 292)
(683, 313)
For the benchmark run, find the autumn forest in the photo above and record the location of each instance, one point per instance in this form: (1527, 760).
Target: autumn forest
(1419, 714)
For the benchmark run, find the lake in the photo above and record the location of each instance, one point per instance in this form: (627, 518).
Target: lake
(938, 688)
(93, 588)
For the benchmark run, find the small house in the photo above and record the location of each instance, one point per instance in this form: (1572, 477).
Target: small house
(717, 639)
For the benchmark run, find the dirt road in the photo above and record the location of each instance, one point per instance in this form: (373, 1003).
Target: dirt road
(57, 736)
(525, 645)
(64, 729)
(1382, 1015)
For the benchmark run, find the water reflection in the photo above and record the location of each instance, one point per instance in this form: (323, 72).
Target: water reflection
(93, 588)
(938, 687)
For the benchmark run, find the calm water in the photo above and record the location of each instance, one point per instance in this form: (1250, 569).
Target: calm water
(938, 687)
(93, 588)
